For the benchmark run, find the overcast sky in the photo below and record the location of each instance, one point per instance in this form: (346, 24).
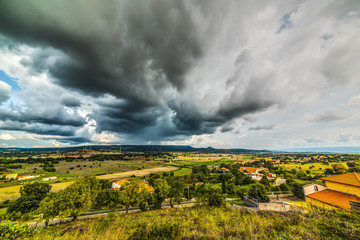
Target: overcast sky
(226, 74)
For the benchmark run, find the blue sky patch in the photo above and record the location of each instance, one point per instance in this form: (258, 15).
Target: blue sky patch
(9, 80)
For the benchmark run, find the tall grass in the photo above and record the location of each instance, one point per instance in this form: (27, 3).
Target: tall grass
(210, 223)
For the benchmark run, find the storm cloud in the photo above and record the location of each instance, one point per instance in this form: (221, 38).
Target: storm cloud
(162, 69)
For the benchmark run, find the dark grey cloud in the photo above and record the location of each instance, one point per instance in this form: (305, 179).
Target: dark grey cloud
(165, 69)
(38, 128)
(55, 118)
(132, 50)
(330, 115)
(260, 127)
(70, 101)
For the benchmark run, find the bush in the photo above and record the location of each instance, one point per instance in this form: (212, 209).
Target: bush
(11, 231)
(156, 231)
(216, 199)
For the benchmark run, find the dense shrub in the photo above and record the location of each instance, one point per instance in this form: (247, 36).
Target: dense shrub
(9, 231)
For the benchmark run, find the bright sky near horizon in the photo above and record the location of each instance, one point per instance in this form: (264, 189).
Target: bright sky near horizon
(227, 74)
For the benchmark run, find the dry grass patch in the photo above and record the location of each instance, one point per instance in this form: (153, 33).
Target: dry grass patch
(137, 173)
(11, 193)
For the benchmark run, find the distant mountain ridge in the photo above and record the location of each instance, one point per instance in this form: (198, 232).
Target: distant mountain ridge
(322, 150)
(138, 148)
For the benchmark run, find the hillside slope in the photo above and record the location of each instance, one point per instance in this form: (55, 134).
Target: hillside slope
(210, 223)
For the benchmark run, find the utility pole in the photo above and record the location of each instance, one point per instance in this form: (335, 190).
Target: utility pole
(188, 192)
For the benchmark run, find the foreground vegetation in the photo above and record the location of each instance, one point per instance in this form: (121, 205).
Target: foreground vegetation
(209, 223)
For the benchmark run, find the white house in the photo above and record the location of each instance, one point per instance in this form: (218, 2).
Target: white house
(49, 178)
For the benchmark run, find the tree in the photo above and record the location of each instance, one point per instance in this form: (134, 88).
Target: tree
(215, 199)
(162, 190)
(129, 193)
(300, 174)
(204, 169)
(338, 168)
(258, 191)
(210, 196)
(176, 190)
(49, 207)
(143, 199)
(248, 180)
(81, 196)
(30, 198)
(240, 191)
(223, 183)
(328, 171)
(265, 181)
(284, 187)
(298, 190)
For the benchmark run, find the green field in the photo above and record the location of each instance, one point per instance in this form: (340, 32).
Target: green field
(182, 172)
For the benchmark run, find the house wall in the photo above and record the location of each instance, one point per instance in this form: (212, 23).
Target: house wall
(343, 188)
(315, 203)
(311, 188)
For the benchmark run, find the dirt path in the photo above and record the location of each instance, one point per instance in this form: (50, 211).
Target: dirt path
(137, 173)
(59, 221)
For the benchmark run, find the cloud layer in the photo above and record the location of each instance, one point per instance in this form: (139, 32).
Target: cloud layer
(167, 70)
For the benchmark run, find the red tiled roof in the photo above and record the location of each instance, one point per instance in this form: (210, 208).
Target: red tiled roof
(334, 198)
(347, 178)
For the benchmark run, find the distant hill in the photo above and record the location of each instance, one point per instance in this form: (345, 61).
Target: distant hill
(323, 150)
(138, 148)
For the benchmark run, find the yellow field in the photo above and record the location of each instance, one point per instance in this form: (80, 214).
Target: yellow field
(137, 173)
(318, 167)
(10, 193)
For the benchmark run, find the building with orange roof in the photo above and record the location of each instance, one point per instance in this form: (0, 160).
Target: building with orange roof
(117, 185)
(348, 182)
(252, 170)
(331, 199)
(24, 177)
(341, 192)
(142, 185)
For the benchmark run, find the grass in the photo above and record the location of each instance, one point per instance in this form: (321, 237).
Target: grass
(182, 172)
(210, 223)
(82, 168)
(306, 166)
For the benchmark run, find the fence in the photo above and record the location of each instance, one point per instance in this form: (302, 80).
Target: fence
(355, 205)
(279, 193)
(250, 201)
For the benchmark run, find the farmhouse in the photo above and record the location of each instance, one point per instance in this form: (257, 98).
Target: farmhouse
(117, 185)
(49, 179)
(341, 192)
(143, 185)
(25, 177)
(252, 170)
